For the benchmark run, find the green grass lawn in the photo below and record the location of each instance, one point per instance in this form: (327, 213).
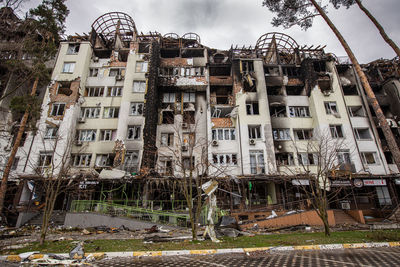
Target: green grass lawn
(239, 242)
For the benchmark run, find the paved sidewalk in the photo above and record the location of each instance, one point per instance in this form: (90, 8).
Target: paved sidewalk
(366, 257)
(100, 255)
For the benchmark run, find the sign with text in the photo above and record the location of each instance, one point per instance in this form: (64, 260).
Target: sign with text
(374, 182)
(340, 183)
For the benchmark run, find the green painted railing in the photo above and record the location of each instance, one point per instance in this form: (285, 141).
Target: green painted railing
(134, 212)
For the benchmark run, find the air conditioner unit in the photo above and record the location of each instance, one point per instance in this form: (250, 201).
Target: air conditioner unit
(96, 59)
(119, 77)
(214, 143)
(78, 143)
(345, 205)
(184, 148)
(81, 119)
(252, 142)
(279, 147)
(184, 125)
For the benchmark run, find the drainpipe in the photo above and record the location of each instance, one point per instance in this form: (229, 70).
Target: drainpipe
(240, 141)
(370, 120)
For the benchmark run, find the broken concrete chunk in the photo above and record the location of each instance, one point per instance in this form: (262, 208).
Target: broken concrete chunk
(77, 252)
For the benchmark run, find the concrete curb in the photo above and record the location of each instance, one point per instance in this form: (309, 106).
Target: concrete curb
(100, 255)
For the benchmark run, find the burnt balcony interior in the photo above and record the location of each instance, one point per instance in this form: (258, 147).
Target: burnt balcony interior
(218, 111)
(177, 102)
(277, 110)
(220, 70)
(275, 90)
(295, 90)
(350, 89)
(221, 95)
(64, 88)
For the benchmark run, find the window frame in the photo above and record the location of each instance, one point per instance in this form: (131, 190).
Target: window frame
(136, 105)
(257, 133)
(58, 105)
(138, 129)
(71, 67)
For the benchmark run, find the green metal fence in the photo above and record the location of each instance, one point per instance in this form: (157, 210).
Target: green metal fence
(131, 211)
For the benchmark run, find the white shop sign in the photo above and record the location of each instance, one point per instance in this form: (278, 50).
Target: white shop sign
(301, 182)
(374, 182)
(397, 181)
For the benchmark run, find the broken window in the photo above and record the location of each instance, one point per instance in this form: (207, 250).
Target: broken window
(114, 91)
(189, 97)
(343, 157)
(350, 90)
(189, 117)
(169, 98)
(299, 112)
(136, 109)
(144, 48)
(291, 71)
(336, 131)
(165, 166)
(252, 108)
(356, 111)
(284, 159)
(362, 133)
(271, 71)
(274, 90)
(188, 163)
(87, 135)
(90, 113)
(115, 72)
(225, 159)
(194, 52)
(134, 132)
(188, 140)
(224, 70)
(64, 88)
(57, 109)
(223, 134)
(277, 111)
(107, 135)
(331, 107)
(45, 160)
(139, 86)
(104, 160)
(221, 95)
(281, 134)
(168, 117)
(257, 165)
(141, 66)
(68, 67)
(110, 112)
(254, 131)
(169, 53)
(167, 139)
(94, 91)
(369, 158)
(319, 66)
(307, 158)
(389, 157)
(51, 132)
(294, 90)
(73, 49)
(247, 66)
(81, 160)
(131, 161)
(93, 72)
(303, 134)
(14, 165)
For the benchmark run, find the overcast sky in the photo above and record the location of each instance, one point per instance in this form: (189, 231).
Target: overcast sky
(221, 23)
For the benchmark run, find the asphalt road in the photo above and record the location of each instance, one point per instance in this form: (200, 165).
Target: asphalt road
(339, 257)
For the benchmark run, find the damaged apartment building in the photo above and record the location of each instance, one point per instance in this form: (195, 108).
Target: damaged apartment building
(132, 111)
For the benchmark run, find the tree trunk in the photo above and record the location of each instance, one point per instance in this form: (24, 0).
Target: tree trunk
(394, 149)
(380, 28)
(21, 130)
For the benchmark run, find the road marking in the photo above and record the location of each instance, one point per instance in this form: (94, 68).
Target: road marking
(211, 263)
(395, 253)
(343, 262)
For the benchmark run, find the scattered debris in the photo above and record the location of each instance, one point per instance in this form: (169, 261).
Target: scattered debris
(273, 215)
(77, 252)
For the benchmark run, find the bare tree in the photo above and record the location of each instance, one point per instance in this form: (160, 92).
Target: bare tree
(189, 166)
(319, 158)
(53, 172)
